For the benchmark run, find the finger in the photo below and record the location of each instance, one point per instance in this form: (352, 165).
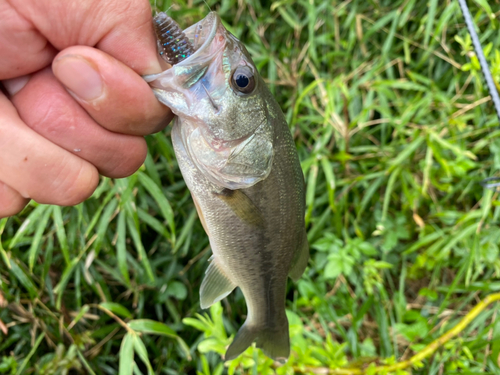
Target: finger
(24, 49)
(14, 85)
(45, 106)
(38, 169)
(122, 28)
(112, 93)
(11, 202)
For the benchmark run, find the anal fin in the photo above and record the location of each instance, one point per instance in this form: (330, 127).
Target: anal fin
(215, 286)
(300, 260)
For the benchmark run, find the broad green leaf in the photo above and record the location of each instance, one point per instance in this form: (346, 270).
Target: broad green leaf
(150, 326)
(142, 352)
(116, 308)
(199, 325)
(127, 355)
(157, 328)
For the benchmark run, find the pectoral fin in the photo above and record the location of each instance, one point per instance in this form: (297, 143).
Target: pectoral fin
(242, 206)
(215, 286)
(300, 260)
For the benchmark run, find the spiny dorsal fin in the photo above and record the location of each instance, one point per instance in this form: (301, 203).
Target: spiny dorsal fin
(215, 286)
(242, 206)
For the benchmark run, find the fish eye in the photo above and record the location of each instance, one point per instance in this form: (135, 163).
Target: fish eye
(243, 80)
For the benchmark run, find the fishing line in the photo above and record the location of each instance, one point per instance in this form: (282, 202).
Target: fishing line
(480, 55)
(487, 185)
(487, 76)
(205, 1)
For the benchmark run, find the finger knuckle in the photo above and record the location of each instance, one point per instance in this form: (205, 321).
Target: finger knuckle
(130, 160)
(73, 182)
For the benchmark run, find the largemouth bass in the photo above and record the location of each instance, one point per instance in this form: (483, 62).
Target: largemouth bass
(239, 161)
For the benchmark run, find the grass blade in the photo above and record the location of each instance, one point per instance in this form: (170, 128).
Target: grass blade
(61, 233)
(160, 199)
(37, 238)
(39, 339)
(127, 355)
(136, 238)
(121, 249)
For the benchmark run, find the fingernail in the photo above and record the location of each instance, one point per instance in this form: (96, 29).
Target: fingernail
(80, 76)
(14, 85)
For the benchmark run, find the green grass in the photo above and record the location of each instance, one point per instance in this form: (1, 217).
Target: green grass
(387, 105)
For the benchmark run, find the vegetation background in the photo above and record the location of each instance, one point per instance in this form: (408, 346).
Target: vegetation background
(395, 131)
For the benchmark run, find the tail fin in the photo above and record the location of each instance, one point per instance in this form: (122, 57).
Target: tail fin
(275, 343)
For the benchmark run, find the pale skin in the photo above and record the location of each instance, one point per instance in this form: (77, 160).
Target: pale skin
(73, 103)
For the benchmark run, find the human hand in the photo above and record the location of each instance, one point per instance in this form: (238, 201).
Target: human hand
(75, 103)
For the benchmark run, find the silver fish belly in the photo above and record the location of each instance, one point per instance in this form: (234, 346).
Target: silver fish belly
(240, 163)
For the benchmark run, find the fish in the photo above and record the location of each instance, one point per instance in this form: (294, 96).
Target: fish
(239, 160)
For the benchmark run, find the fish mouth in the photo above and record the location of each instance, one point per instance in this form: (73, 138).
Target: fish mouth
(208, 38)
(201, 35)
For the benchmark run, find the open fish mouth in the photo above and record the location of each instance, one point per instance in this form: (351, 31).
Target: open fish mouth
(177, 45)
(190, 52)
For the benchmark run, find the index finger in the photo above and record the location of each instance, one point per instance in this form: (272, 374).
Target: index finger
(121, 28)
